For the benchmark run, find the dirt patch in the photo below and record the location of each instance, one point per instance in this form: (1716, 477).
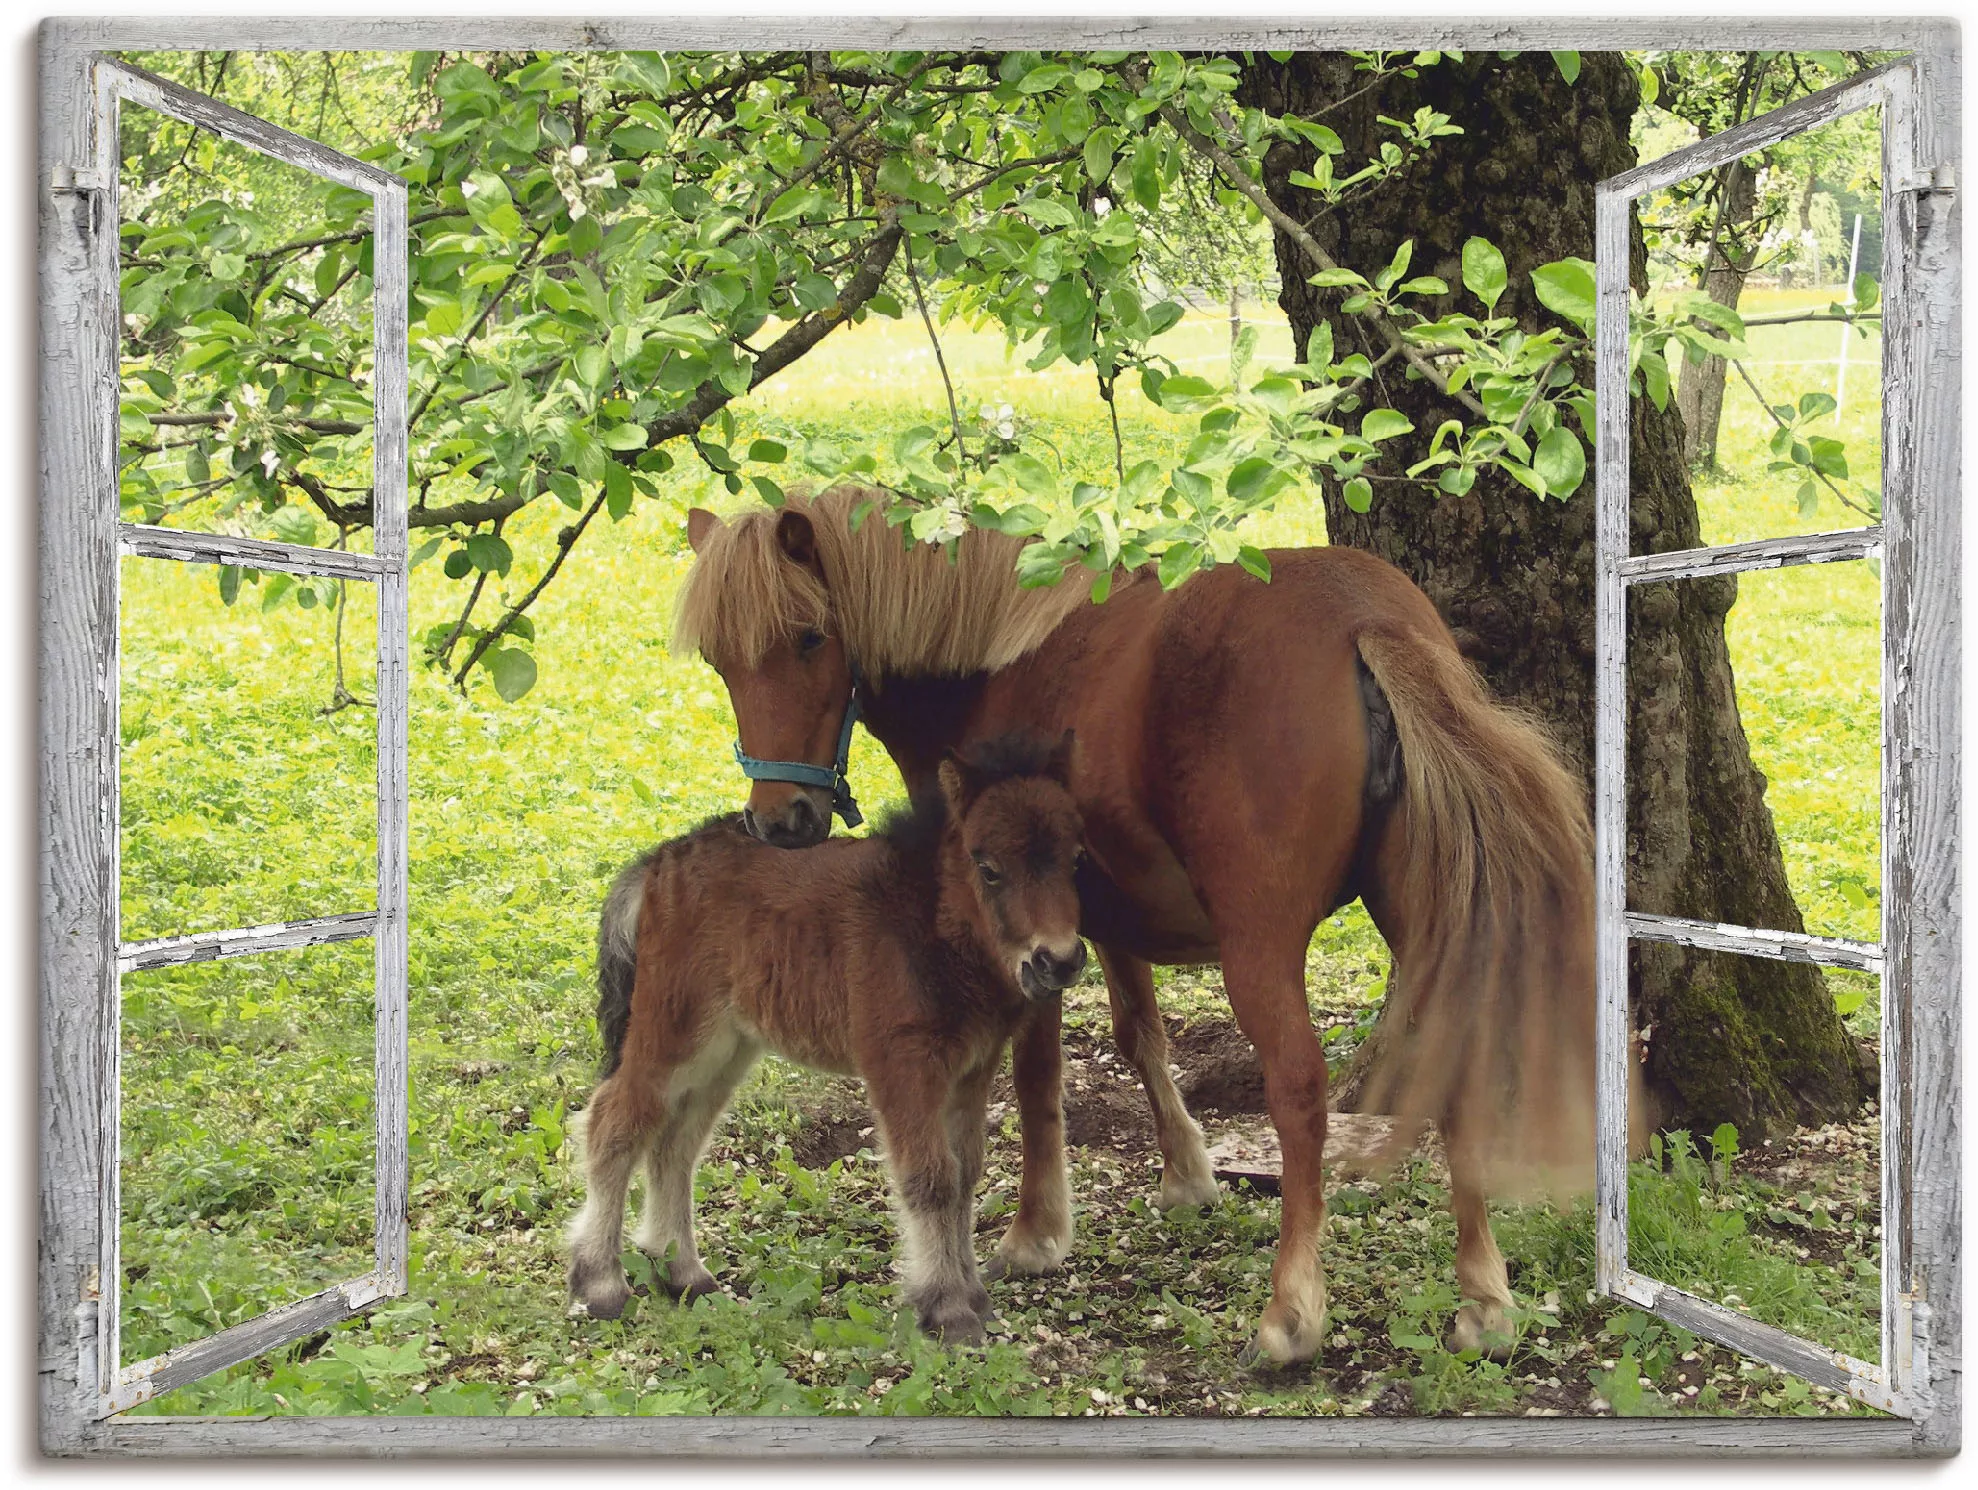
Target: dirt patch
(1219, 1068)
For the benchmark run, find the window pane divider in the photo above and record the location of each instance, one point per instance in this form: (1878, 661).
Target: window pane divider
(277, 936)
(1780, 946)
(251, 553)
(1758, 553)
(142, 1380)
(1834, 1370)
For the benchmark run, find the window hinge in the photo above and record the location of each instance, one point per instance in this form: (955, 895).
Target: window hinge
(76, 178)
(1941, 179)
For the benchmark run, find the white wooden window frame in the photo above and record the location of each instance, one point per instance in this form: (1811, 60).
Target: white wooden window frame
(81, 541)
(83, 970)
(1915, 957)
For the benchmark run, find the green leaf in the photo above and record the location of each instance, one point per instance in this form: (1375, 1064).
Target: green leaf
(769, 452)
(1256, 561)
(489, 553)
(1180, 561)
(1567, 288)
(1560, 462)
(617, 491)
(1809, 498)
(625, 437)
(1569, 65)
(1813, 405)
(1483, 271)
(1327, 278)
(1384, 424)
(1829, 456)
(1253, 478)
(513, 671)
(457, 564)
(1185, 387)
(229, 583)
(1358, 494)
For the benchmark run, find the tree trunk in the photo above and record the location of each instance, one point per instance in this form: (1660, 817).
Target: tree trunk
(1735, 1039)
(1700, 386)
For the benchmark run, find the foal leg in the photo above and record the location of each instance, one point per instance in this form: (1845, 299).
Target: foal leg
(1187, 1177)
(625, 1114)
(939, 1268)
(1266, 986)
(700, 1093)
(967, 1111)
(1039, 1238)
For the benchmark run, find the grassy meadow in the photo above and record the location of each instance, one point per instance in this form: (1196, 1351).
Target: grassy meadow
(247, 1143)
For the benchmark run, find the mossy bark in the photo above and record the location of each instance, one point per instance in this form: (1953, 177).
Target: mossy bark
(1735, 1039)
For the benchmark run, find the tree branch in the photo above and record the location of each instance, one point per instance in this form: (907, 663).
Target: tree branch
(954, 413)
(1757, 393)
(1238, 178)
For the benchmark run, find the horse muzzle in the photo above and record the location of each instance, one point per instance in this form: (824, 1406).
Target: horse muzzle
(1045, 975)
(799, 825)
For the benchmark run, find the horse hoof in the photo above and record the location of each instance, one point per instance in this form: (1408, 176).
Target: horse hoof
(995, 1269)
(1027, 1256)
(1481, 1327)
(1178, 1191)
(1278, 1345)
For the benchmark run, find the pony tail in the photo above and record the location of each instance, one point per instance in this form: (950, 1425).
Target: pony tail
(1494, 877)
(618, 942)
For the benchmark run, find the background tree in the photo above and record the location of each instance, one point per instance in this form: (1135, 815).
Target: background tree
(1739, 1039)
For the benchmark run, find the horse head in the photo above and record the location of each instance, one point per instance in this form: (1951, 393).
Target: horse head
(764, 623)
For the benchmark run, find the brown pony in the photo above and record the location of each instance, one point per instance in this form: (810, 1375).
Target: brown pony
(906, 958)
(1252, 755)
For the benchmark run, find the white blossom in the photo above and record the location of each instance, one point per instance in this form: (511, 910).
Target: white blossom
(1101, 206)
(579, 154)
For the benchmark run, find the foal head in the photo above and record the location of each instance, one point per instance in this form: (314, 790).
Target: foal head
(1017, 835)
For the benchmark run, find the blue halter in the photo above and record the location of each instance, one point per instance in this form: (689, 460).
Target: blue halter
(831, 778)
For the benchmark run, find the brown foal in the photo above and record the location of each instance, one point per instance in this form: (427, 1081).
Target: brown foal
(907, 959)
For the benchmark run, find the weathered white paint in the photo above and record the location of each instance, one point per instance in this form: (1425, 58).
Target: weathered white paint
(1749, 941)
(1758, 553)
(280, 936)
(250, 553)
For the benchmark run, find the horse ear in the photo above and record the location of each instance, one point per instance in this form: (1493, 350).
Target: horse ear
(700, 523)
(1058, 767)
(798, 540)
(958, 783)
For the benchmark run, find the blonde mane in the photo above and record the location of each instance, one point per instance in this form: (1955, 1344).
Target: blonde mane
(900, 607)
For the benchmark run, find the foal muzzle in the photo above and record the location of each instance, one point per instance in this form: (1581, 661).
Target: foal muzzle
(1045, 975)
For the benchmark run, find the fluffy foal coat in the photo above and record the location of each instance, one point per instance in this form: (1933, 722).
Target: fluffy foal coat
(907, 959)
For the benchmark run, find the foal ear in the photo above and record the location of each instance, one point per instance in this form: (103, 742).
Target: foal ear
(700, 523)
(1063, 754)
(798, 540)
(958, 783)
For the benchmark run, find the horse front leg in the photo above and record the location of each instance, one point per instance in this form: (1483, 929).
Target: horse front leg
(1187, 1178)
(1039, 1238)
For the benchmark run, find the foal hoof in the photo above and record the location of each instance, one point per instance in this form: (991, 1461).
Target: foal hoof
(690, 1287)
(600, 1303)
(1481, 1326)
(954, 1325)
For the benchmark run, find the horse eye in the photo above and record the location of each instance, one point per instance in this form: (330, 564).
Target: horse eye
(988, 872)
(809, 642)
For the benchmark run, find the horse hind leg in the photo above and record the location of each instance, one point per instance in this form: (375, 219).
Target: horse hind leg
(1187, 1177)
(624, 1116)
(700, 1093)
(1481, 1323)
(1266, 987)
